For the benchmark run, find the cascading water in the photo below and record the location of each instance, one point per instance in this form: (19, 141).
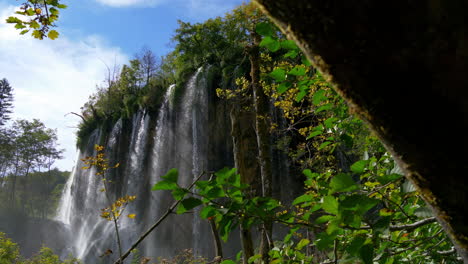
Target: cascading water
(176, 139)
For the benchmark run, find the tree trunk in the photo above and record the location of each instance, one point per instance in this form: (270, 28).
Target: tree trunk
(245, 158)
(263, 137)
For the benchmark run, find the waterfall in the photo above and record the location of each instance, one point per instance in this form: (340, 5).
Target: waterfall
(147, 146)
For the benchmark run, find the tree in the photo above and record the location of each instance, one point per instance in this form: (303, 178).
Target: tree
(6, 101)
(149, 64)
(28, 147)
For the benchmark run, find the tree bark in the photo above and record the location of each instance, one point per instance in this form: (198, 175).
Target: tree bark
(263, 137)
(245, 158)
(402, 67)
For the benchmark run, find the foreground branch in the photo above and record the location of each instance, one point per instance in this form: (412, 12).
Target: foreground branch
(408, 227)
(158, 222)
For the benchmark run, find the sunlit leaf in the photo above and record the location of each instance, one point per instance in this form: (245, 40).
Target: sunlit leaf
(278, 74)
(171, 175)
(342, 182)
(359, 166)
(53, 34)
(304, 242)
(165, 185)
(330, 205)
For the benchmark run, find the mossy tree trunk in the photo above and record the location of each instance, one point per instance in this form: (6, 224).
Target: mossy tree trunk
(262, 130)
(245, 157)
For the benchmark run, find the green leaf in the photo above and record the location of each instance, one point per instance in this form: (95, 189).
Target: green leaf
(319, 96)
(13, 20)
(171, 175)
(302, 199)
(304, 242)
(53, 11)
(324, 107)
(342, 183)
(330, 204)
(53, 34)
(330, 122)
(270, 43)
(265, 29)
(215, 192)
(61, 6)
(278, 74)
(323, 219)
(291, 54)
(358, 202)
(30, 12)
(309, 174)
(297, 71)
(34, 25)
(289, 45)
(366, 253)
(355, 245)
(324, 144)
(226, 175)
(313, 134)
(24, 31)
(283, 87)
(165, 185)
(301, 95)
(389, 178)
(360, 166)
(19, 26)
(208, 211)
(179, 193)
(305, 61)
(347, 140)
(253, 258)
(324, 240)
(37, 34)
(385, 212)
(188, 204)
(382, 224)
(228, 261)
(203, 184)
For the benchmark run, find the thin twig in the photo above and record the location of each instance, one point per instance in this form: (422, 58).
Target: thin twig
(157, 223)
(335, 251)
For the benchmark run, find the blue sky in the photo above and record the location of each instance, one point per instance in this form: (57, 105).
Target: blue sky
(53, 78)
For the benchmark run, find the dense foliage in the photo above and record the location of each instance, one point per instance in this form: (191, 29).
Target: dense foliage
(28, 182)
(9, 254)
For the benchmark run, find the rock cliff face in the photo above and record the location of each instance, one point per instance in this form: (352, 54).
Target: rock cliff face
(192, 135)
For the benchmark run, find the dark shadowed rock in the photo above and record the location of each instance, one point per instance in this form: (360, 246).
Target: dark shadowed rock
(403, 67)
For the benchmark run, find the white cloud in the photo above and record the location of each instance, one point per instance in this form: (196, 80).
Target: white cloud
(53, 78)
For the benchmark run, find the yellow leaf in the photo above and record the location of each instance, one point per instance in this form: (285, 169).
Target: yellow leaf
(132, 216)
